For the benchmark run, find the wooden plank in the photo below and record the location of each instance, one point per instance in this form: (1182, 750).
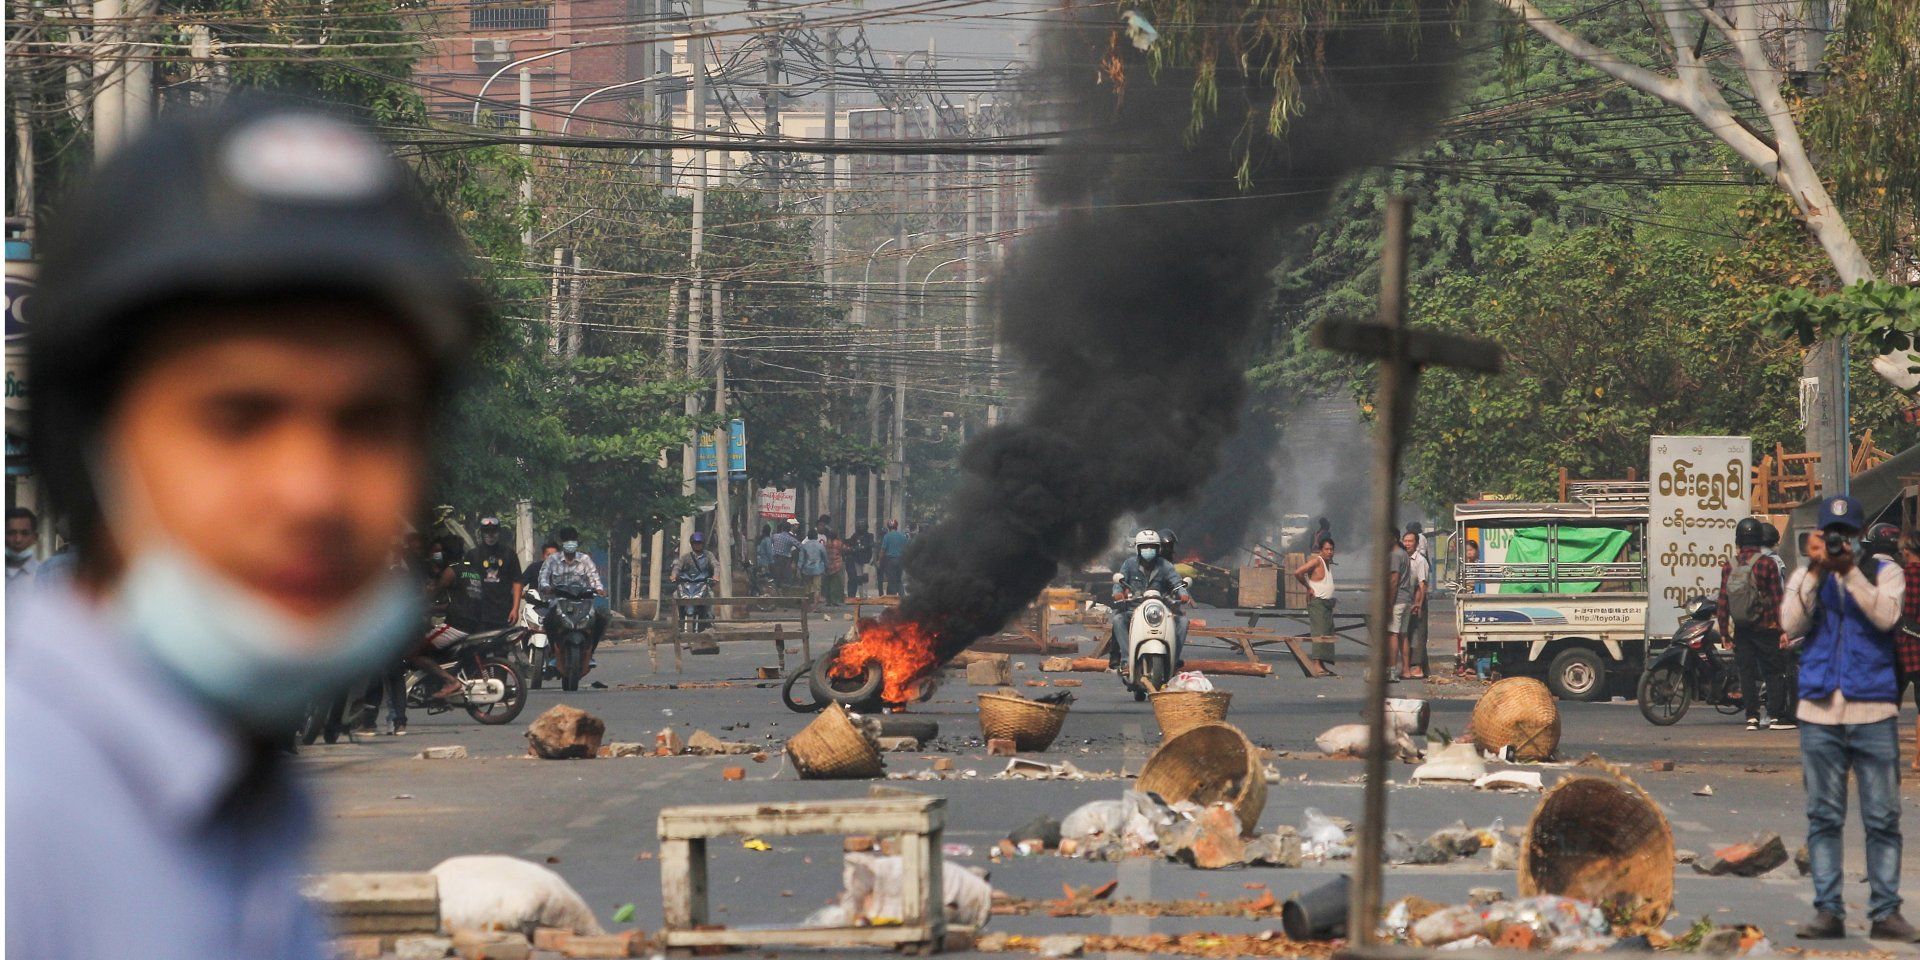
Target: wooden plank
(917, 815)
(371, 893)
(384, 923)
(802, 936)
(1259, 586)
(1231, 667)
(683, 882)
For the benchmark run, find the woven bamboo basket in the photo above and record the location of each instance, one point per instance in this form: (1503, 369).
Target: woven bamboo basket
(831, 748)
(1518, 712)
(1209, 763)
(1031, 725)
(1603, 840)
(1181, 710)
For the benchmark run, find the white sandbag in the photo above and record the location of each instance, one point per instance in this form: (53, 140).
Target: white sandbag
(492, 892)
(873, 891)
(1408, 715)
(1458, 762)
(1350, 739)
(1510, 780)
(1101, 818)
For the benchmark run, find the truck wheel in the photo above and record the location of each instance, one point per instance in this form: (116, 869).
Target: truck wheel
(1577, 673)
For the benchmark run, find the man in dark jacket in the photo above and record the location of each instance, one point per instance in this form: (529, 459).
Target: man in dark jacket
(1749, 612)
(1848, 715)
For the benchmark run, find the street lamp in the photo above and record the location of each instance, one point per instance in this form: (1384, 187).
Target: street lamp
(866, 275)
(923, 297)
(481, 97)
(629, 83)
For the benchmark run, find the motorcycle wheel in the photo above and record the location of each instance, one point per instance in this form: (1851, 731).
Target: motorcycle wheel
(1726, 695)
(1153, 674)
(786, 692)
(573, 661)
(313, 722)
(1664, 696)
(509, 707)
(536, 666)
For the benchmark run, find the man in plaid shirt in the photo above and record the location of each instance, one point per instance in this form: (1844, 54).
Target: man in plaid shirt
(1756, 641)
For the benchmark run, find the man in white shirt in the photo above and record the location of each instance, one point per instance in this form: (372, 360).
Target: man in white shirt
(23, 540)
(1848, 712)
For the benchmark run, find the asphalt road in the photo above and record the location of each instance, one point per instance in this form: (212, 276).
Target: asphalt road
(594, 821)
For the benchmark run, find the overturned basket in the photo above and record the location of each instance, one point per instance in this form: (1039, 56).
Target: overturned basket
(1603, 840)
(832, 748)
(1518, 712)
(1209, 763)
(1032, 726)
(1181, 710)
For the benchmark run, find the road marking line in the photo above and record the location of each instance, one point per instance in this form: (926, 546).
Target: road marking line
(586, 822)
(1693, 826)
(1134, 875)
(546, 847)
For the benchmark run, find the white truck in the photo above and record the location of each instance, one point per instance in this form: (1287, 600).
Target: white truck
(1557, 590)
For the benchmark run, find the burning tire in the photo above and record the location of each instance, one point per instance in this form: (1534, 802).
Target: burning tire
(856, 692)
(793, 679)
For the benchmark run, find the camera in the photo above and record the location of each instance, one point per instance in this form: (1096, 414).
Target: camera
(1836, 542)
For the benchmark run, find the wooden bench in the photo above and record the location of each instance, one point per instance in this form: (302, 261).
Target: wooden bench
(778, 630)
(917, 823)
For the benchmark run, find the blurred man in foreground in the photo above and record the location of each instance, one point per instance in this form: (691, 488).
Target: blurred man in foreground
(249, 319)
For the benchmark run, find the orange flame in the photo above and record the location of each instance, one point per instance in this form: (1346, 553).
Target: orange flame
(905, 651)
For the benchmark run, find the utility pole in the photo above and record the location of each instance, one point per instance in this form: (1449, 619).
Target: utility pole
(993, 359)
(574, 332)
(554, 334)
(897, 457)
(659, 545)
(23, 158)
(971, 232)
(722, 460)
(697, 91)
(123, 100)
(830, 201)
(526, 156)
(1824, 390)
(770, 104)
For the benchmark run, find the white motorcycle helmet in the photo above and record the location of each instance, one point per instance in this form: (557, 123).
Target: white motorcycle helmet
(1144, 541)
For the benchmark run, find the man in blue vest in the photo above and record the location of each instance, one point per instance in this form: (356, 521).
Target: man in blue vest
(1848, 712)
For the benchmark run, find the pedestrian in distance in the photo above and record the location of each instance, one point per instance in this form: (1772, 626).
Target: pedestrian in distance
(813, 565)
(1906, 642)
(23, 547)
(1749, 614)
(1316, 574)
(893, 552)
(786, 550)
(1420, 569)
(1848, 713)
(859, 560)
(1401, 591)
(254, 319)
(833, 587)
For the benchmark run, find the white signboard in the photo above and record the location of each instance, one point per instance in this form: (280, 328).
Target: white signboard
(777, 504)
(1697, 492)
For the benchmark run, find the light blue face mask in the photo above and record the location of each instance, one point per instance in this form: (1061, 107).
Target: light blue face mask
(571, 547)
(247, 659)
(1147, 554)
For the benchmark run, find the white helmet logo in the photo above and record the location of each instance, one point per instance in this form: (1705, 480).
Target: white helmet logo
(301, 157)
(1839, 508)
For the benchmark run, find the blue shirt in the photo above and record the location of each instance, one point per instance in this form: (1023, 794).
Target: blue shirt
(813, 558)
(894, 544)
(138, 823)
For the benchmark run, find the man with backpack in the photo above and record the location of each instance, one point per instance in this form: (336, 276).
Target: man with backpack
(1750, 592)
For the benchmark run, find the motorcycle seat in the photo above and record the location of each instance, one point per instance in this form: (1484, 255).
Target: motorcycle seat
(485, 636)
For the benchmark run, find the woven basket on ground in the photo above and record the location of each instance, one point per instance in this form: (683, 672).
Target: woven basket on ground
(1518, 712)
(1209, 763)
(1030, 725)
(1181, 710)
(832, 748)
(1603, 840)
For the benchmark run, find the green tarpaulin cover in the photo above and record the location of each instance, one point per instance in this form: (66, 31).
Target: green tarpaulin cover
(1577, 545)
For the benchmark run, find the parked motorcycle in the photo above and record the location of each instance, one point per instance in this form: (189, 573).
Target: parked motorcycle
(493, 689)
(569, 623)
(1692, 667)
(535, 648)
(1148, 660)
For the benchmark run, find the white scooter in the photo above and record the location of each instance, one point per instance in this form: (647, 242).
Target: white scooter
(536, 652)
(1151, 634)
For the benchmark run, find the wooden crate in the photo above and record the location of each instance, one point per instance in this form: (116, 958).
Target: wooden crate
(1296, 593)
(1260, 586)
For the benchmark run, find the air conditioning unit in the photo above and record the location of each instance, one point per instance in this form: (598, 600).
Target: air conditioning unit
(492, 51)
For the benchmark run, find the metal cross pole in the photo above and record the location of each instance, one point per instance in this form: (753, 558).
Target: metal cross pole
(1401, 353)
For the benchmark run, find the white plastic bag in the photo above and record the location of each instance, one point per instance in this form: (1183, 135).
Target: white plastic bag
(873, 888)
(1192, 681)
(1350, 739)
(1101, 818)
(1458, 762)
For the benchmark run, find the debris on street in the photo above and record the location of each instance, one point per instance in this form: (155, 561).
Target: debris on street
(833, 747)
(492, 892)
(1752, 858)
(1030, 726)
(1458, 762)
(378, 904)
(1602, 840)
(1518, 713)
(455, 752)
(565, 733)
(872, 887)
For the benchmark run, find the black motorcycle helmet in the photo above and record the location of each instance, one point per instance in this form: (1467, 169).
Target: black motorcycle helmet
(1748, 532)
(1770, 536)
(1882, 539)
(254, 201)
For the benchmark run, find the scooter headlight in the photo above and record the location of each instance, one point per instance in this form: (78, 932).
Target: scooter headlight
(1153, 616)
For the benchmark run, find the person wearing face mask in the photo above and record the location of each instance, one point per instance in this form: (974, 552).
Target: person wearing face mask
(573, 567)
(1147, 570)
(253, 316)
(23, 540)
(1846, 605)
(498, 567)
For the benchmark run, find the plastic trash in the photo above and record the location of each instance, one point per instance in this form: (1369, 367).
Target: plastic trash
(1192, 681)
(873, 893)
(1321, 838)
(956, 850)
(1455, 763)
(1509, 780)
(1101, 818)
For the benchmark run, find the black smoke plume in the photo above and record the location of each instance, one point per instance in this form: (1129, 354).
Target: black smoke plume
(1131, 309)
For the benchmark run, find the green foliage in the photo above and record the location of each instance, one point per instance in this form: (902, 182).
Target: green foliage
(1865, 125)
(1883, 317)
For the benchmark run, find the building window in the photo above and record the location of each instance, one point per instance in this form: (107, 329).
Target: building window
(508, 18)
